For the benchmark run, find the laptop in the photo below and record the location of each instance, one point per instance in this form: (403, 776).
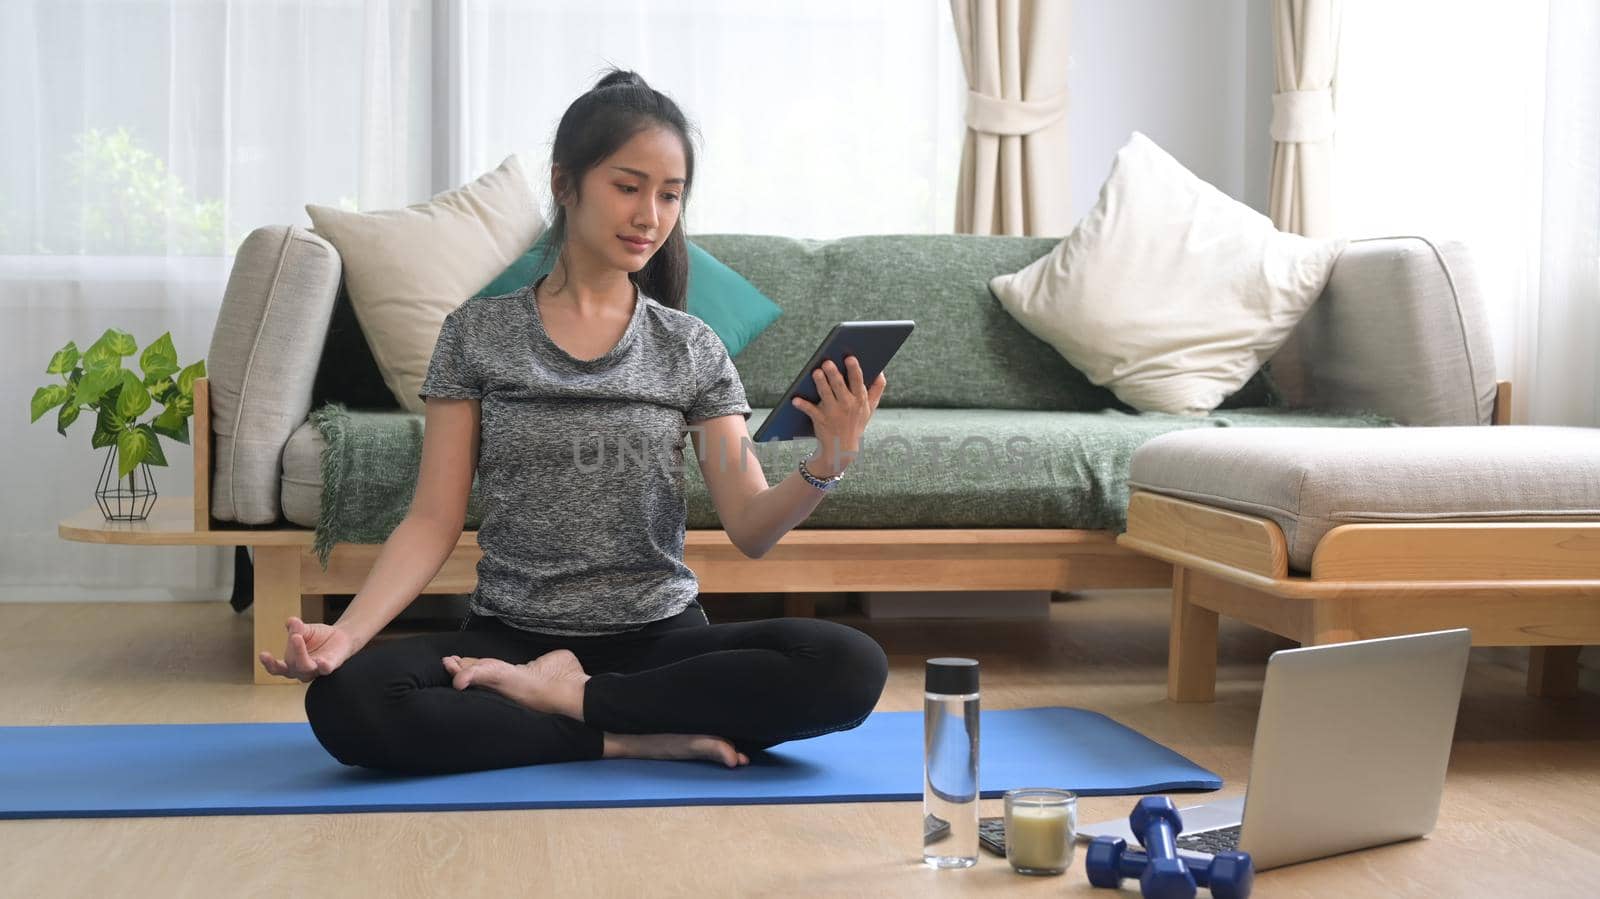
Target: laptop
(1351, 747)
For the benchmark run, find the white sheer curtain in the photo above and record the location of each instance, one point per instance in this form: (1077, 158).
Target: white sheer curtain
(145, 138)
(1481, 121)
(819, 119)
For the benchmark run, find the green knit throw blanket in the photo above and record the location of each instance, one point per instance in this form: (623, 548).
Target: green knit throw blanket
(369, 473)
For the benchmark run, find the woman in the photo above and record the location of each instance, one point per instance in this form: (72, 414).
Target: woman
(584, 638)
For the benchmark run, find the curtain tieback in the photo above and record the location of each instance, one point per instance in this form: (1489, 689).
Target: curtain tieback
(993, 115)
(1302, 117)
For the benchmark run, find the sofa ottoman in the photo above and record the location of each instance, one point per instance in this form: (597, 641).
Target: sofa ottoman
(1324, 536)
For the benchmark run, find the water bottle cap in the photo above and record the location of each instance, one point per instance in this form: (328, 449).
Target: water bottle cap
(954, 676)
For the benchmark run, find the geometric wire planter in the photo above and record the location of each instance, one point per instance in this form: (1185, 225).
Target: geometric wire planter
(128, 500)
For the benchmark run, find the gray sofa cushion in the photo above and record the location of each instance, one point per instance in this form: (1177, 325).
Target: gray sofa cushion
(1310, 480)
(302, 475)
(262, 362)
(1400, 330)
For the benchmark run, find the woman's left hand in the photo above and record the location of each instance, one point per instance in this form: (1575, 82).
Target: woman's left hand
(842, 414)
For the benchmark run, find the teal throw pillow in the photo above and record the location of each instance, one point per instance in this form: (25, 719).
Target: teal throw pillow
(718, 295)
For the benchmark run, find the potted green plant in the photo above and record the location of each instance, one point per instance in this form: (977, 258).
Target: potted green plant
(96, 380)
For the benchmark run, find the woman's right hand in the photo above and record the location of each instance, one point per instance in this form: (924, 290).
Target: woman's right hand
(314, 650)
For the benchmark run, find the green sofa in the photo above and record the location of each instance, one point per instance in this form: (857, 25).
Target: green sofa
(991, 463)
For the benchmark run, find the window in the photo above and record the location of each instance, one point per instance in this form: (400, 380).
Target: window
(155, 128)
(1440, 124)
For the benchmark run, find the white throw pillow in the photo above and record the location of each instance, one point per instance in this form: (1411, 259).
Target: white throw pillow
(1170, 293)
(406, 269)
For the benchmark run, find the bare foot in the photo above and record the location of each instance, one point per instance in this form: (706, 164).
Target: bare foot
(551, 683)
(673, 746)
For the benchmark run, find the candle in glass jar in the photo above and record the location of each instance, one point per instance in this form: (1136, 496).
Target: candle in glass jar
(1040, 830)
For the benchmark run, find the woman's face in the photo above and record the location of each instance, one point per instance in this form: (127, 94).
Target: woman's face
(631, 200)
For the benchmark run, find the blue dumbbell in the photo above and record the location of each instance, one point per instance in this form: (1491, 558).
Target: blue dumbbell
(1229, 875)
(1156, 822)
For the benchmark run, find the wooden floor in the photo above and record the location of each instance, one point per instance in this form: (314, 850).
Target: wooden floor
(1521, 812)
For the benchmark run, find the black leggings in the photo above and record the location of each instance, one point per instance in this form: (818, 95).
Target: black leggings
(391, 706)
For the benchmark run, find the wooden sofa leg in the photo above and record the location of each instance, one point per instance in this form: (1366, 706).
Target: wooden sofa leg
(1191, 645)
(1331, 622)
(1553, 671)
(314, 608)
(799, 605)
(277, 583)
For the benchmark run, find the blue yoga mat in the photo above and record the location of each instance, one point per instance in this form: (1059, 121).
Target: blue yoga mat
(130, 770)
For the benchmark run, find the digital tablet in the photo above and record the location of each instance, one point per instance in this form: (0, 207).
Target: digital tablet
(872, 343)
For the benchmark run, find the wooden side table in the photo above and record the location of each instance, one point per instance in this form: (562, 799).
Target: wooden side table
(171, 523)
(289, 578)
(280, 553)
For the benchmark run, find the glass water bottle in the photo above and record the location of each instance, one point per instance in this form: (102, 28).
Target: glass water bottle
(950, 763)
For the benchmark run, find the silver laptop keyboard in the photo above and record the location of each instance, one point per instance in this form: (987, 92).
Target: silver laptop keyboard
(1223, 839)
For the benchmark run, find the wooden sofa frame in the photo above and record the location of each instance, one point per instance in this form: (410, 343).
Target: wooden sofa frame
(290, 580)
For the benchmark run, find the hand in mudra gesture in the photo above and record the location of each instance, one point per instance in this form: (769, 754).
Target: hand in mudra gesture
(841, 415)
(313, 650)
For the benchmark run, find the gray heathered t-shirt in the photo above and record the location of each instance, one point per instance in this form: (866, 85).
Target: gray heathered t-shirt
(580, 462)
